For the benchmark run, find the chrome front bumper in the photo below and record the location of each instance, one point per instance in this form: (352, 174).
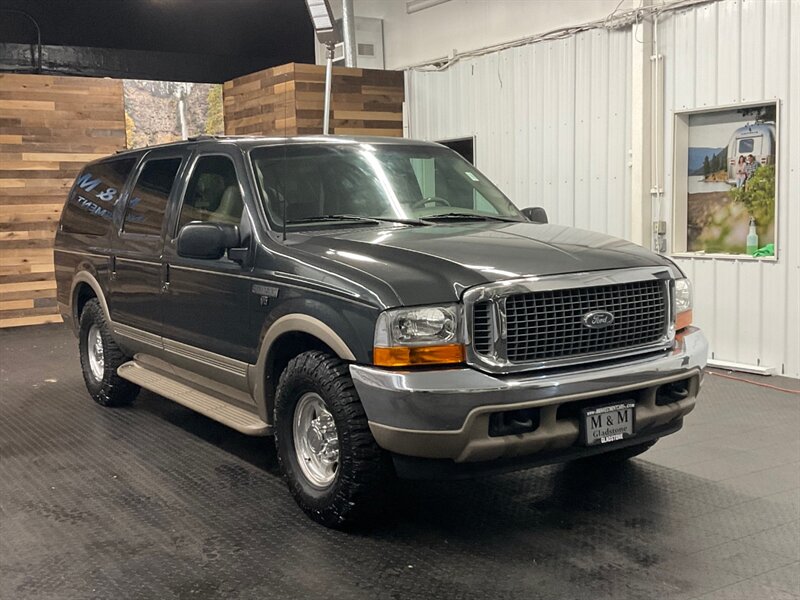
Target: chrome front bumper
(445, 413)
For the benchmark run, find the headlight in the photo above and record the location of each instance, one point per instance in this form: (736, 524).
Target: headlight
(683, 303)
(419, 336)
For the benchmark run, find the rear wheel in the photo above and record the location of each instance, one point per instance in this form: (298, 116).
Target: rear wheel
(100, 358)
(333, 466)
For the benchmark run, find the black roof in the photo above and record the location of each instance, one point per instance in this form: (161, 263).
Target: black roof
(246, 142)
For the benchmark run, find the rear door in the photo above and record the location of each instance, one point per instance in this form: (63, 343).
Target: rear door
(137, 272)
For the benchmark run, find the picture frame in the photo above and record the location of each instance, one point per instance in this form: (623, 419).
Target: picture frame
(708, 145)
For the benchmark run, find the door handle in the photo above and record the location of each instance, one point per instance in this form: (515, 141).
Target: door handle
(165, 277)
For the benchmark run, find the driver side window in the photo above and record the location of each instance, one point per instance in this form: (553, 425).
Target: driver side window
(213, 193)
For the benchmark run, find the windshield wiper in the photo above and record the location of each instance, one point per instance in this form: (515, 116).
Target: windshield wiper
(470, 216)
(355, 218)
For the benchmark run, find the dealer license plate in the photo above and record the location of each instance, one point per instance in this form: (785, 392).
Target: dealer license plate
(610, 423)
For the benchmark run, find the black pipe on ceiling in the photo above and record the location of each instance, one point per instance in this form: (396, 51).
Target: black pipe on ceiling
(16, 11)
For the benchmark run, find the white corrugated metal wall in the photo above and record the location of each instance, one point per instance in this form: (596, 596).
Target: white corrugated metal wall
(551, 123)
(724, 53)
(552, 128)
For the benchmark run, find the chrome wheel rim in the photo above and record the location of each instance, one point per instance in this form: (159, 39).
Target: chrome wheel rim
(94, 346)
(316, 441)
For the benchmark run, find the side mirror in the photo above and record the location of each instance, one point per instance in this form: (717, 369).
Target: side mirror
(535, 213)
(207, 240)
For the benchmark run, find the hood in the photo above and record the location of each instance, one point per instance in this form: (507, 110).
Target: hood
(437, 263)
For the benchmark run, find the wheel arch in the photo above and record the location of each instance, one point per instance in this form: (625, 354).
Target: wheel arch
(287, 337)
(84, 287)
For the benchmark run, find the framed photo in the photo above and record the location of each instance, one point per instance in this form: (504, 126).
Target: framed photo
(157, 112)
(725, 181)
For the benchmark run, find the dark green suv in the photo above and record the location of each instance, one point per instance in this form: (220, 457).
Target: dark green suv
(377, 305)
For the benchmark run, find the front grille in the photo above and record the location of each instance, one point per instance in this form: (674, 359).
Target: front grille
(482, 328)
(549, 324)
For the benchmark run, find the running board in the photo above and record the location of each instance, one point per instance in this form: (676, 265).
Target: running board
(190, 397)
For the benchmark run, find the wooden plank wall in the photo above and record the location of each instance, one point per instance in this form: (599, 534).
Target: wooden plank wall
(261, 103)
(49, 127)
(289, 100)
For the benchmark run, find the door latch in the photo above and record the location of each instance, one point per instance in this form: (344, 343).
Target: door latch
(165, 277)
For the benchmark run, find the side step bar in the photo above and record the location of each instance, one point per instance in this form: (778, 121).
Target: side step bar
(153, 379)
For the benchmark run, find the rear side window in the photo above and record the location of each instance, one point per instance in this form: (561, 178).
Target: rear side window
(148, 200)
(91, 203)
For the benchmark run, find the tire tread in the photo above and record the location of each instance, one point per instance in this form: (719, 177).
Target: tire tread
(113, 390)
(364, 472)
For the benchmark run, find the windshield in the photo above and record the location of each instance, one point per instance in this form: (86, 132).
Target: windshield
(333, 182)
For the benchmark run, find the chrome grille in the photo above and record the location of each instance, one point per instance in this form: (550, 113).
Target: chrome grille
(547, 325)
(482, 328)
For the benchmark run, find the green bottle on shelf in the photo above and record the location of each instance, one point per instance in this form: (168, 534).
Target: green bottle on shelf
(752, 238)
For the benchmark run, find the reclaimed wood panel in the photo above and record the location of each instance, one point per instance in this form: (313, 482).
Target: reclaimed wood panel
(289, 100)
(50, 127)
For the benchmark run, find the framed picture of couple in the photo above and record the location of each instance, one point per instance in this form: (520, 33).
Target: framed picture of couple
(725, 180)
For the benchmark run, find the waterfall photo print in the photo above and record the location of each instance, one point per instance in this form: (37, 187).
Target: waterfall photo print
(157, 112)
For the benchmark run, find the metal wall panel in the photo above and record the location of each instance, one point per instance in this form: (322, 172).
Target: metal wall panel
(552, 127)
(551, 123)
(723, 53)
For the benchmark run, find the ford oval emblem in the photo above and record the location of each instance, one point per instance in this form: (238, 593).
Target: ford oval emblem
(598, 319)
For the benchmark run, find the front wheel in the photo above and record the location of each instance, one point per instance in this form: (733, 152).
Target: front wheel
(333, 466)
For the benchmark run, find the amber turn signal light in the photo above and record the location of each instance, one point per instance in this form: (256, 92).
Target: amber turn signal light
(684, 320)
(403, 356)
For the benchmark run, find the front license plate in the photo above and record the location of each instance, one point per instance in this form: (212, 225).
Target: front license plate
(604, 424)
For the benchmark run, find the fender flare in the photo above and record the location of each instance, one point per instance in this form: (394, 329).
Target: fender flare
(87, 278)
(291, 323)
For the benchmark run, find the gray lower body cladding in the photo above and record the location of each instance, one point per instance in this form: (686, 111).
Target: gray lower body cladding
(412, 467)
(447, 414)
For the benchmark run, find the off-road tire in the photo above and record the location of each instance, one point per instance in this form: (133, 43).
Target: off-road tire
(111, 389)
(620, 455)
(364, 470)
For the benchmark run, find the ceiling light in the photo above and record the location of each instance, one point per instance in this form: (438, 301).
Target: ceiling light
(323, 21)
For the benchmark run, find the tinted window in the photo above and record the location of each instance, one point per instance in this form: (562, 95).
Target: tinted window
(381, 180)
(746, 145)
(92, 200)
(436, 182)
(213, 193)
(148, 200)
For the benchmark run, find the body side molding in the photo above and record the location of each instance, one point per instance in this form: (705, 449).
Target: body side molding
(229, 371)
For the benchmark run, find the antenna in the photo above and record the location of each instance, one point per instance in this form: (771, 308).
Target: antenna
(285, 141)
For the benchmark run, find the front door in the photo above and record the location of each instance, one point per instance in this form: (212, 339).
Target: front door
(205, 304)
